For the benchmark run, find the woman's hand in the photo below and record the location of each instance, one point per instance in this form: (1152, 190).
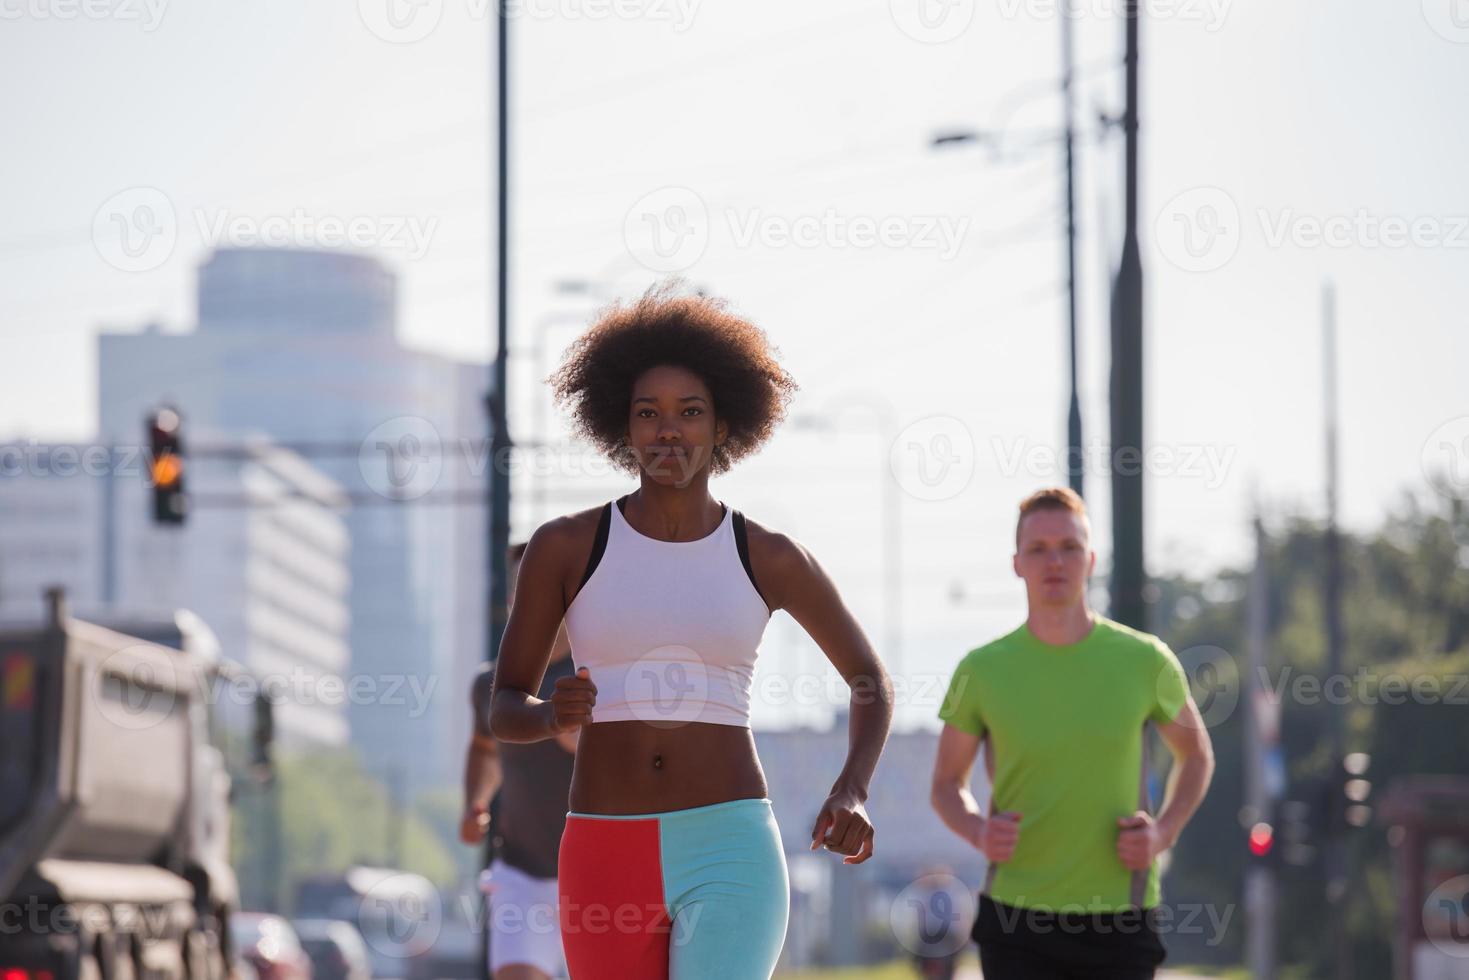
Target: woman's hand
(572, 701)
(842, 826)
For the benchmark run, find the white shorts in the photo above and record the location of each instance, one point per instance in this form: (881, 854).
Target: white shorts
(524, 927)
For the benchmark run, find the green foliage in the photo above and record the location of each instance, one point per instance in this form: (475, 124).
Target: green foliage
(1405, 614)
(333, 814)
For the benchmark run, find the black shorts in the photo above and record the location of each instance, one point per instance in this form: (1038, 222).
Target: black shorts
(1037, 945)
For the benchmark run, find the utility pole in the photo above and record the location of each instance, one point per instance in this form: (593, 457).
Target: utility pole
(495, 400)
(1074, 466)
(1260, 894)
(1126, 394)
(1336, 856)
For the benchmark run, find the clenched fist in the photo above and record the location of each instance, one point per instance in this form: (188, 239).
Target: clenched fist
(998, 837)
(572, 701)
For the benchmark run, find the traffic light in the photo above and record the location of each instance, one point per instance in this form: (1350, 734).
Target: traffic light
(166, 467)
(1356, 789)
(1262, 842)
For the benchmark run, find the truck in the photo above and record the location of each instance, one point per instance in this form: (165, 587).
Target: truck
(114, 800)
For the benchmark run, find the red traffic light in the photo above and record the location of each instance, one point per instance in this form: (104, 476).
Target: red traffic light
(1262, 838)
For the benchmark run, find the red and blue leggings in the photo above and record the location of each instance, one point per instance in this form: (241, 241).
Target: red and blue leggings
(696, 894)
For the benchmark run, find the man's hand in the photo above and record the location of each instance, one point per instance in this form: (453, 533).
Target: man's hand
(572, 701)
(842, 826)
(1000, 834)
(1139, 841)
(474, 825)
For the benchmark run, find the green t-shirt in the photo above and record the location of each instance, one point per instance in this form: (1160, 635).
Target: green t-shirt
(1067, 728)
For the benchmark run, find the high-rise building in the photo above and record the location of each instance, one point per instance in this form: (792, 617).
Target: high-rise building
(300, 345)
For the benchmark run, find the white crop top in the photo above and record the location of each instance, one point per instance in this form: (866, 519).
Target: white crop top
(669, 630)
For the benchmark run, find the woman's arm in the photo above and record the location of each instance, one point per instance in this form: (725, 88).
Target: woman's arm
(798, 584)
(516, 714)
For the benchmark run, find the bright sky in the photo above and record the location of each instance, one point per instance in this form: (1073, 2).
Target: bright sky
(781, 153)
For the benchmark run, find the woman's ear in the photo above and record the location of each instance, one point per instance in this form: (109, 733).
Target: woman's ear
(721, 432)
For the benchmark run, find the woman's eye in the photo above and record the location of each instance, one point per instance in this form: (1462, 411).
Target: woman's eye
(696, 411)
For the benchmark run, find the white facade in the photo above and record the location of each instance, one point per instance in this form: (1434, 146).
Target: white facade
(298, 345)
(268, 572)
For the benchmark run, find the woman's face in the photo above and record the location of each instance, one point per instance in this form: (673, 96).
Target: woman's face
(671, 424)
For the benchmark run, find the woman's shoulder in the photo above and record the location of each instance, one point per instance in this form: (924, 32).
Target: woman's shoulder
(568, 535)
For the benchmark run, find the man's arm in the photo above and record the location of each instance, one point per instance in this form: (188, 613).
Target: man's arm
(1188, 740)
(949, 793)
(994, 836)
(482, 772)
(1143, 837)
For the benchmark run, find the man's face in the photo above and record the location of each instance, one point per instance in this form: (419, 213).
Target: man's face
(671, 424)
(1054, 557)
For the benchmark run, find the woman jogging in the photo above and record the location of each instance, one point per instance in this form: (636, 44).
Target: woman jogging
(671, 864)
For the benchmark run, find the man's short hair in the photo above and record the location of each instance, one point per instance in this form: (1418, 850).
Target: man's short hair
(1051, 498)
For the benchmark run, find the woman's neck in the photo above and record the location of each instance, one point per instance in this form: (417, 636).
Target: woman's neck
(673, 513)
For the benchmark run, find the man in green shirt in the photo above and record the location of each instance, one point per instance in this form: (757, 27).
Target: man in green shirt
(1061, 707)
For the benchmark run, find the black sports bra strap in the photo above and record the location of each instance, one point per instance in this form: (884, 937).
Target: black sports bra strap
(599, 545)
(742, 545)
